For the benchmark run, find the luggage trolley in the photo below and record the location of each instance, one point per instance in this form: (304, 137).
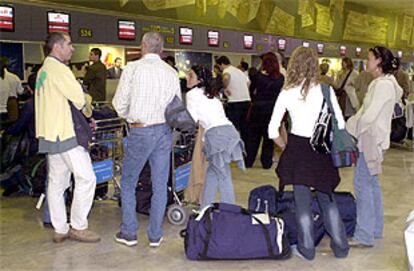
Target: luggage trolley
(107, 149)
(180, 169)
(180, 176)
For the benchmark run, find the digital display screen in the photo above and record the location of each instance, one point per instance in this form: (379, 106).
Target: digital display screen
(358, 51)
(305, 44)
(342, 50)
(6, 18)
(213, 38)
(281, 44)
(186, 35)
(58, 21)
(320, 48)
(126, 30)
(248, 41)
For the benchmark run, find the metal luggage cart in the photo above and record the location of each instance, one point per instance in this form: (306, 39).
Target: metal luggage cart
(109, 134)
(180, 176)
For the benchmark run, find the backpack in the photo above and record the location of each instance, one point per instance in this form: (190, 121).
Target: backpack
(263, 199)
(321, 140)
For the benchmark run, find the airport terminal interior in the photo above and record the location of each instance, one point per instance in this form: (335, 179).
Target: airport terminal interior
(199, 33)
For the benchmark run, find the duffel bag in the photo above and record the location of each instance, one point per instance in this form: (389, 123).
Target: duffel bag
(228, 232)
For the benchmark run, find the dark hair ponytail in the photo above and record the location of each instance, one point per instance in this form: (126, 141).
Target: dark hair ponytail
(389, 63)
(205, 77)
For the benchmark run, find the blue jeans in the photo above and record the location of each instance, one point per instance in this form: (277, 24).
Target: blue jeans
(217, 182)
(153, 143)
(331, 220)
(370, 213)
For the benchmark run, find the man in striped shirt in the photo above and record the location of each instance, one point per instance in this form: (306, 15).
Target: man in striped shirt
(145, 88)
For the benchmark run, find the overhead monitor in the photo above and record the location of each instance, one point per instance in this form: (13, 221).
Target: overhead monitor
(58, 21)
(213, 38)
(6, 18)
(320, 47)
(358, 51)
(248, 41)
(281, 44)
(186, 35)
(342, 50)
(126, 30)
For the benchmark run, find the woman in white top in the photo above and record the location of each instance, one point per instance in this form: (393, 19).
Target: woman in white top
(222, 143)
(372, 127)
(299, 165)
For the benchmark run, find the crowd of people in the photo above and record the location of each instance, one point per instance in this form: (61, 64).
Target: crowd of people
(261, 106)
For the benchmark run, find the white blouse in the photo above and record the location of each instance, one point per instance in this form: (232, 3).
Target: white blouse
(303, 112)
(209, 112)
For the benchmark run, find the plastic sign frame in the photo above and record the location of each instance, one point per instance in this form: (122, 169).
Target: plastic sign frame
(61, 21)
(126, 29)
(342, 50)
(186, 35)
(320, 48)
(213, 38)
(281, 44)
(7, 18)
(248, 41)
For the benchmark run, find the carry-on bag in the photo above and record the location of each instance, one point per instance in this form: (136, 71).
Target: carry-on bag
(228, 232)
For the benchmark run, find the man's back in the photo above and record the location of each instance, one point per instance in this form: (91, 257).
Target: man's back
(145, 89)
(238, 85)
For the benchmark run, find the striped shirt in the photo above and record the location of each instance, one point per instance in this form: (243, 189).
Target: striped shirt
(145, 88)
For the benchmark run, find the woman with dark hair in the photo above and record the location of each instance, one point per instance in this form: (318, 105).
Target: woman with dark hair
(345, 88)
(264, 89)
(372, 127)
(222, 143)
(299, 164)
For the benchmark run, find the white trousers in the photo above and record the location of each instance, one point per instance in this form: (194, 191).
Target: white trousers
(60, 167)
(409, 240)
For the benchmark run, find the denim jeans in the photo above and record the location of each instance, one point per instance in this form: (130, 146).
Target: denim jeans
(153, 143)
(370, 213)
(217, 182)
(331, 219)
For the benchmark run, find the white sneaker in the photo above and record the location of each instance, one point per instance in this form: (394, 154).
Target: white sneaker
(156, 243)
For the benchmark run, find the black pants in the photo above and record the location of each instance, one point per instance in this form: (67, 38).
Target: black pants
(254, 135)
(237, 113)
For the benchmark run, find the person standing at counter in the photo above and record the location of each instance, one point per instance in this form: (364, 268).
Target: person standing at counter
(95, 77)
(116, 71)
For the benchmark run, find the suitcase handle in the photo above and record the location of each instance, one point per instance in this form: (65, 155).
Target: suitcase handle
(228, 207)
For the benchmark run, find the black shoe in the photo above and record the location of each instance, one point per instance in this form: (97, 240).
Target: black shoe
(47, 225)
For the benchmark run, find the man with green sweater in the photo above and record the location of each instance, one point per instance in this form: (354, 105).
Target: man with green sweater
(56, 86)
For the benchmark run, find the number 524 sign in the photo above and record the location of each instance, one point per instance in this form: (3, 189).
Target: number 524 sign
(85, 33)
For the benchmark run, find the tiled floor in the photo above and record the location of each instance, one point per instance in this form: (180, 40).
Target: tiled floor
(26, 245)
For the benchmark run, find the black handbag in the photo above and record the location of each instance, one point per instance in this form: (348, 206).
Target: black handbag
(81, 126)
(178, 117)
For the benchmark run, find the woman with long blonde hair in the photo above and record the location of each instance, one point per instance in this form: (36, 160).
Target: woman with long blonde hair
(299, 164)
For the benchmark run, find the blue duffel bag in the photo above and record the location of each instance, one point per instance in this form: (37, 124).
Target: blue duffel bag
(228, 232)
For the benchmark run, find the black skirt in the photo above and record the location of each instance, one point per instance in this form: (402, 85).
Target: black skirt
(299, 164)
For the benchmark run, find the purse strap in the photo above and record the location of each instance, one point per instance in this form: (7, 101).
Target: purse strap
(326, 92)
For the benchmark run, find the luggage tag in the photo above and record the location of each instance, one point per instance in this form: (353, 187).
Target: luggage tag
(263, 217)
